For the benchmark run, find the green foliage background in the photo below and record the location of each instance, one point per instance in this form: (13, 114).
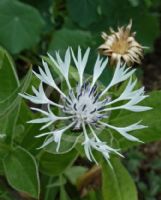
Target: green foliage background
(29, 29)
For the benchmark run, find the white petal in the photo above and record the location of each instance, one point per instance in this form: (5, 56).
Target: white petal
(39, 110)
(124, 130)
(43, 134)
(47, 142)
(47, 78)
(47, 125)
(39, 120)
(80, 62)
(56, 136)
(121, 74)
(98, 68)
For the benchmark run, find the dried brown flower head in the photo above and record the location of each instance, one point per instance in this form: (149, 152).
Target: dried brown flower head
(122, 45)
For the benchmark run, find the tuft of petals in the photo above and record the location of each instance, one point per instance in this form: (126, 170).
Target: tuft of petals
(122, 46)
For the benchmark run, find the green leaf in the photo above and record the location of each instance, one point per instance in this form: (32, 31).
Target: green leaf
(8, 123)
(147, 32)
(92, 195)
(134, 3)
(65, 37)
(119, 12)
(22, 128)
(57, 181)
(8, 76)
(50, 191)
(9, 98)
(4, 150)
(74, 172)
(117, 183)
(13, 99)
(55, 164)
(83, 12)
(20, 25)
(9, 110)
(63, 194)
(22, 172)
(149, 118)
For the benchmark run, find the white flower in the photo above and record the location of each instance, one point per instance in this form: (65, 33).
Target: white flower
(84, 108)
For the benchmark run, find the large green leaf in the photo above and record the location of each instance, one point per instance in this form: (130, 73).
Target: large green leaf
(9, 98)
(65, 37)
(20, 25)
(55, 164)
(9, 110)
(149, 118)
(8, 76)
(83, 12)
(13, 99)
(22, 128)
(117, 183)
(25, 133)
(22, 172)
(9, 83)
(8, 122)
(119, 12)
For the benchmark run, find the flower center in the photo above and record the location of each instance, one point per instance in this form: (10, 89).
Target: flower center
(85, 105)
(120, 46)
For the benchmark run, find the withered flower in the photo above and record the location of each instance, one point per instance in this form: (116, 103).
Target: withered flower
(121, 45)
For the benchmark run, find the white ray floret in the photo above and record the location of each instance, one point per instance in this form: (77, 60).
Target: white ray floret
(46, 77)
(84, 107)
(121, 74)
(80, 62)
(40, 97)
(49, 118)
(98, 68)
(55, 136)
(63, 66)
(124, 130)
(96, 144)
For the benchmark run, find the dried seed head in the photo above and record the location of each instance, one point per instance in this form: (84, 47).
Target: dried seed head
(121, 45)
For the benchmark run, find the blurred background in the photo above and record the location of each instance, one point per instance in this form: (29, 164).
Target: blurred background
(31, 28)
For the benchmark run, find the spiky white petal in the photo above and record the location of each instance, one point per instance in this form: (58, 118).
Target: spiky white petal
(98, 68)
(124, 130)
(81, 62)
(121, 74)
(55, 136)
(63, 66)
(49, 119)
(46, 77)
(40, 97)
(96, 144)
(131, 105)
